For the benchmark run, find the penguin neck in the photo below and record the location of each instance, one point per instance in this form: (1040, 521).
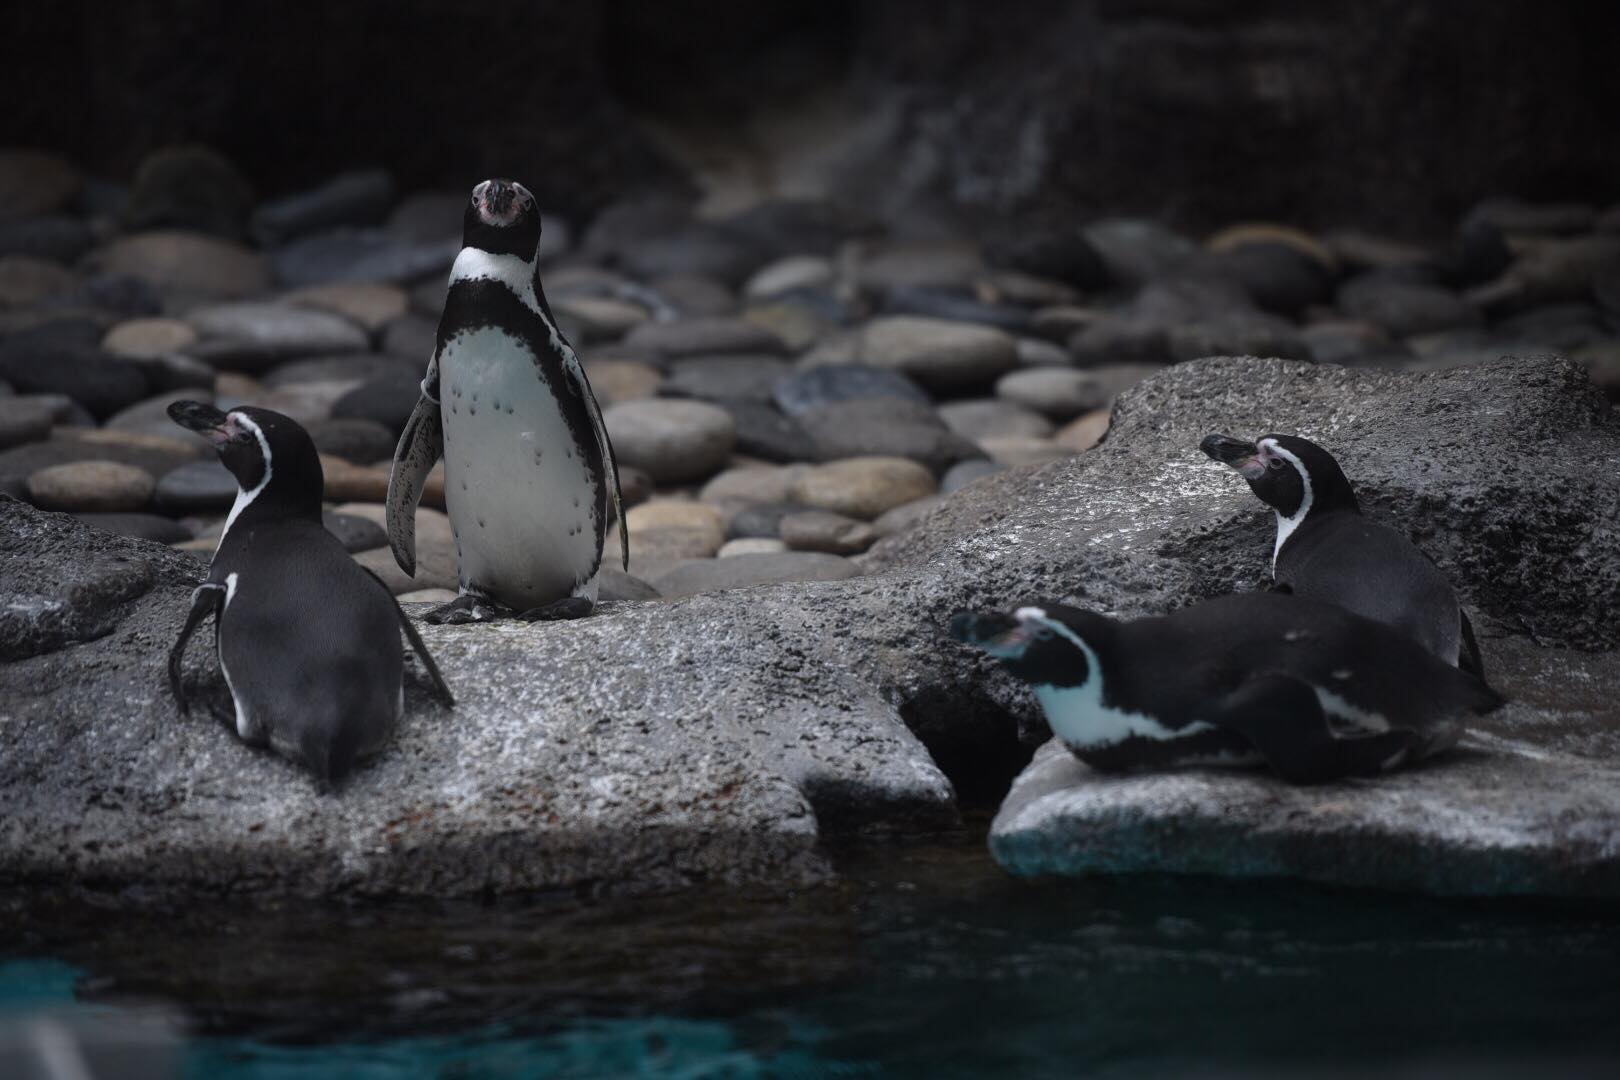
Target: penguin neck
(1319, 495)
(513, 271)
(290, 494)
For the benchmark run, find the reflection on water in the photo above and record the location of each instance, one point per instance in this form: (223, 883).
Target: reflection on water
(931, 963)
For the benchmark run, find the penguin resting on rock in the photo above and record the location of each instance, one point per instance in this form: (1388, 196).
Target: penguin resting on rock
(530, 476)
(1326, 550)
(307, 638)
(1306, 687)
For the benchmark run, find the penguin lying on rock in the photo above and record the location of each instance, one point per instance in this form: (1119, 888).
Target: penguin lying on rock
(1306, 687)
(1326, 550)
(308, 639)
(530, 476)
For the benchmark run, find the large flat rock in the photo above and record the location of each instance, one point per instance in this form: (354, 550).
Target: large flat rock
(649, 748)
(1530, 803)
(718, 738)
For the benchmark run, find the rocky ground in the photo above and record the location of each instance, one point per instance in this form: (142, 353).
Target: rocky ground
(786, 388)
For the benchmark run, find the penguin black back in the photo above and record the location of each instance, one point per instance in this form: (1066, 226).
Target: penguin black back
(307, 639)
(1326, 550)
(1311, 688)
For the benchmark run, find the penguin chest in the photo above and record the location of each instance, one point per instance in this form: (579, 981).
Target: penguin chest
(523, 485)
(1112, 738)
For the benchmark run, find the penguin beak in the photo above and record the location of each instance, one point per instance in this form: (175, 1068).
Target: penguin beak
(1243, 456)
(205, 420)
(997, 634)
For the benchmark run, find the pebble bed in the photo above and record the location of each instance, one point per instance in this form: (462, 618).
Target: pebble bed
(784, 387)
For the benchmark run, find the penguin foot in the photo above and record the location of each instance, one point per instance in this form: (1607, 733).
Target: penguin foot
(569, 607)
(466, 608)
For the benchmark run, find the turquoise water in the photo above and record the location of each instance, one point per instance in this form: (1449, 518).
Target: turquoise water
(931, 963)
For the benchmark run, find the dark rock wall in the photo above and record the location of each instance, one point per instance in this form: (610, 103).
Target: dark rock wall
(1390, 113)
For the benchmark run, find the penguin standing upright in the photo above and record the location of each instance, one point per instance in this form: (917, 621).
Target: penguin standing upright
(530, 476)
(1304, 686)
(1327, 551)
(308, 640)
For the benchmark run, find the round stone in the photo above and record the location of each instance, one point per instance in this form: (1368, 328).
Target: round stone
(1248, 234)
(877, 428)
(704, 336)
(253, 336)
(102, 384)
(726, 378)
(1404, 308)
(863, 487)
(360, 441)
(435, 550)
(148, 338)
(984, 418)
(346, 482)
(54, 236)
(694, 294)
(24, 420)
(1136, 251)
(188, 187)
(387, 400)
(672, 441)
(185, 264)
(666, 531)
(622, 380)
(906, 515)
(1055, 392)
(788, 274)
(764, 433)
(753, 484)
(104, 486)
(1015, 452)
(763, 520)
(25, 281)
(798, 393)
(820, 530)
(942, 355)
(750, 545)
(1084, 432)
(602, 318)
(966, 472)
(354, 368)
(197, 486)
(427, 596)
(922, 265)
(1034, 352)
(354, 532)
(369, 305)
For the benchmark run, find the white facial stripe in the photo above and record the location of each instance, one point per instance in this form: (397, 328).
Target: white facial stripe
(1287, 525)
(243, 497)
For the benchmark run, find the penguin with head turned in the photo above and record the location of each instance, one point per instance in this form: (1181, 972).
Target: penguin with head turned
(307, 639)
(1326, 550)
(530, 477)
(1305, 687)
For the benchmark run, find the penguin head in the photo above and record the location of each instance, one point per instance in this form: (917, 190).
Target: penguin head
(1045, 644)
(1288, 473)
(271, 455)
(502, 218)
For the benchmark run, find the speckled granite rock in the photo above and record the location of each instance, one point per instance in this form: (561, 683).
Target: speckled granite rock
(710, 760)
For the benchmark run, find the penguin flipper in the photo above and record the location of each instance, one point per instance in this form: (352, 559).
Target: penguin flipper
(440, 687)
(421, 445)
(1281, 717)
(577, 372)
(205, 601)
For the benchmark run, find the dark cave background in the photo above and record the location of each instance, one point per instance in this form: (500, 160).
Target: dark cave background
(1390, 114)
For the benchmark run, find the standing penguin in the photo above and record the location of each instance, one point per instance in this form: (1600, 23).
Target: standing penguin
(1306, 687)
(1327, 551)
(308, 639)
(529, 470)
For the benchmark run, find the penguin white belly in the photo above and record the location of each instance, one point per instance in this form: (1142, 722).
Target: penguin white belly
(518, 487)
